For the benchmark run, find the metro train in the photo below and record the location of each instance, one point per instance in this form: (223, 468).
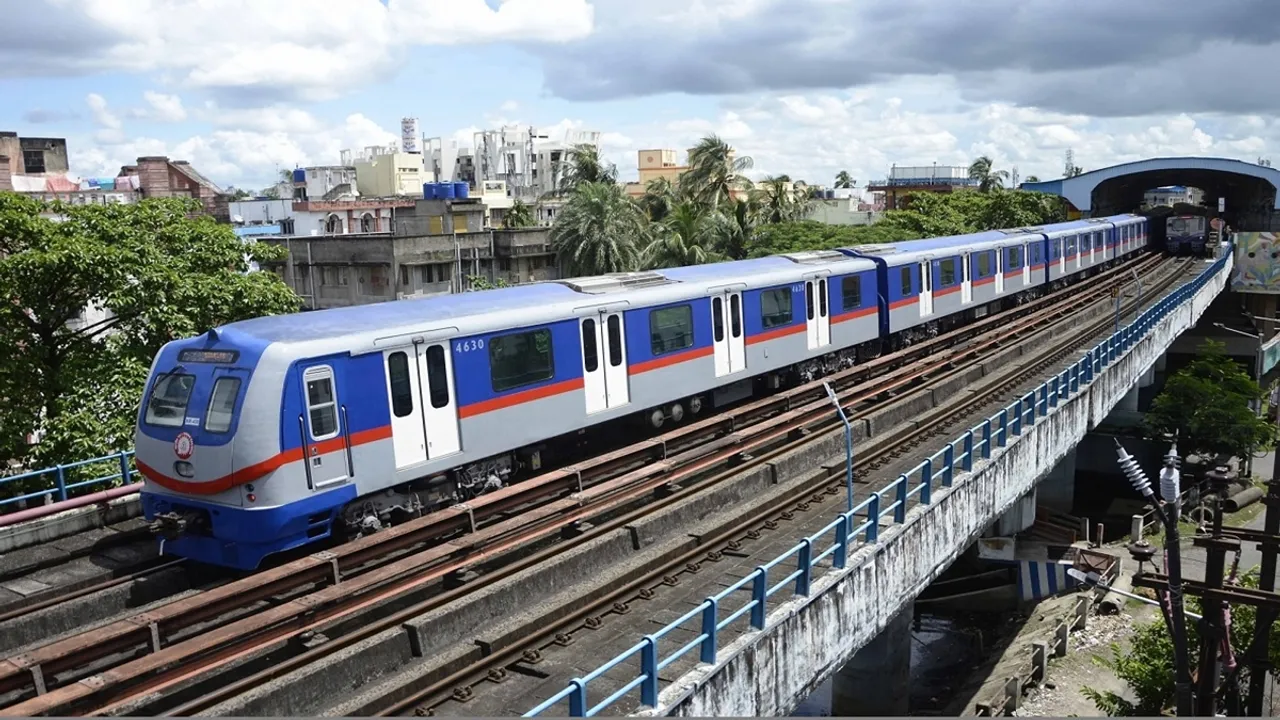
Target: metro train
(269, 434)
(1186, 234)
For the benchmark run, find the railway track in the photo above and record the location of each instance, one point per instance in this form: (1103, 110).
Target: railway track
(170, 646)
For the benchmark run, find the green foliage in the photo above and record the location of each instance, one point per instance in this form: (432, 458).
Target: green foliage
(599, 230)
(1147, 666)
(959, 213)
(480, 282)
(157, 271)
(988, 178)
(519, 215)
(1207, 405)
(813, 235)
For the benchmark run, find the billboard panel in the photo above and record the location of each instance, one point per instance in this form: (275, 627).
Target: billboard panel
(1257, 263)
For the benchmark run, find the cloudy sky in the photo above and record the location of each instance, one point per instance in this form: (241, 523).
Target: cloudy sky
(242, 88)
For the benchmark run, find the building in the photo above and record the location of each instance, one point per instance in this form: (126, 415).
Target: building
(33, 156)
(529, 161)
(387, 171)
(324, 182)
(447, 162)
(662, 163)
(342, 216)
(1171, 195)
(904, 181)
(158, 177)
(842, 206)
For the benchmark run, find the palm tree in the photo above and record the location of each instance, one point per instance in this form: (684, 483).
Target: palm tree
(583, 164)
(988, 179)
(714, 172)
(844, 180)
(689, 235)
(1032, 178)
(742, 219)
(660, 195)
(519, 215)
(779, 203)
(597, 230)
(286, 176)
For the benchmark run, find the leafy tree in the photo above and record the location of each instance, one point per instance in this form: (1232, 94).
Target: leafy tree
(715, 173)
(689, 235)
(519, 215)
(660, 195)
(1032, 179)
(271, 193)
(988, 178)
(779, 203)
(599, 230)
(156, 270)
(813, 235)
(1207, 404)
(844, 180)
(480, 282)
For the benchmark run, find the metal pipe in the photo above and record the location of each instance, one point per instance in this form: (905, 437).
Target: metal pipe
(1092, 579)
(84, 500)
(848, 445)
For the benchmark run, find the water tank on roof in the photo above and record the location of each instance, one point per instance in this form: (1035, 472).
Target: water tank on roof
(299, 175)
(428, 191)
(446, 191)
(461, 190)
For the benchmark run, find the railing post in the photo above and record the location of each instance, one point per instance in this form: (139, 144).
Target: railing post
(1053, 391)
(649, 666)
(1088, 367)
(62, 483)
(1044, 400)
(578, 698)
(805, 566)
(1031, 400)
(759, 593)
(842, 542)
(949, 460)
(710, 612)
(926, 481)
(873, 517)
(900, 507)
(968, 451)
(1017, 417)
(986, 439)
(1004, 426)
(124, 467)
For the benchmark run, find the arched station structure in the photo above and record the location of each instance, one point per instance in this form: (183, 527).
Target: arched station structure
(1251, 192)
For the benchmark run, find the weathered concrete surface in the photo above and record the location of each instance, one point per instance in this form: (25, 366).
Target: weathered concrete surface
(69, 523)
(876, 681)
(768, 673)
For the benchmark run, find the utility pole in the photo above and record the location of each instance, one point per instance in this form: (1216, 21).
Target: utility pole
(1258, 655)
(1212, 627)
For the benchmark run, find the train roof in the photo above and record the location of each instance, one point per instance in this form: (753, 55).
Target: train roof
(912, 250)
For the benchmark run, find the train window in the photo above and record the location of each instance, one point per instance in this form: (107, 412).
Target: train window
(1015, 258)
(947, 272)
(808, 299)
(906, 281)
(851, 290)
(775, 308)
(590, 354)
(437, 377)
(984, 264)
(670, 329)
(222, 403)
(401, 385)
(520, 359)
(168, 404)
(614, 326)
(822, 297)
(735, 315)
(322, 405)
(717, 318)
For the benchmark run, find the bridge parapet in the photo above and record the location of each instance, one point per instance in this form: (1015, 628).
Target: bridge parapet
(877, 571)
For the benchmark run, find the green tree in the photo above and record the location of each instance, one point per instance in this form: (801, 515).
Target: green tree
(844, 180)
(688, 235)
(715, 172)
(154, 271)
(480, 282)
(988, 178)
(519, 215)
(271, 193)
(582, 165)
(780, 203)
(599, 230)
(1032, 179)
(812, 235)
(660, 195)
(1207, 405)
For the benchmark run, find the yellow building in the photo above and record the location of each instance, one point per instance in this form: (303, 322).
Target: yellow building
(654, 164)
(387, 171)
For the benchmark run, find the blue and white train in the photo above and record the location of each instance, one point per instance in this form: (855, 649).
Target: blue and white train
(269, 434)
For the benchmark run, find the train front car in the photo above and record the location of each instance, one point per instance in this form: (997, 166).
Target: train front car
(207, 437)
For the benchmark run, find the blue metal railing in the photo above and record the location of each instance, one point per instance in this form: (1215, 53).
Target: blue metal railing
(717, 612)
(67, 479)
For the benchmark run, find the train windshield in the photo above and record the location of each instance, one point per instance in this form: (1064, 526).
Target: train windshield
(169, 397)
(1179, 225)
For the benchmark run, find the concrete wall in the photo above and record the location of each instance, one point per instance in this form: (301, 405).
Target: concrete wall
(807, 640)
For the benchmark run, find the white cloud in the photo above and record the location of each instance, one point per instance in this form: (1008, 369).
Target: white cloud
(163, 108)
(111, 131)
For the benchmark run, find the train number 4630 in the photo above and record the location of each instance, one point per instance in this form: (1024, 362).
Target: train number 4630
(468, 345)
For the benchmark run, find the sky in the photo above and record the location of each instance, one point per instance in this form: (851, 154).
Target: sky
(245, 88)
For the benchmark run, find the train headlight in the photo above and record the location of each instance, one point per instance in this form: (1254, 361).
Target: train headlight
(185, 469)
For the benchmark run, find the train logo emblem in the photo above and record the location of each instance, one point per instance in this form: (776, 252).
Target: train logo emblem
(183, 446)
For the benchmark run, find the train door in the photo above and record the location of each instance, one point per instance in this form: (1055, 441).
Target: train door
(408, 434)
(1060, 245)
(817, 313)
(1026, 265)
(926, 288)
(604, 362)
(966, 280)
(999, 271)
(438, 399)
(727, 335)
(323, 426)
(1075, 249)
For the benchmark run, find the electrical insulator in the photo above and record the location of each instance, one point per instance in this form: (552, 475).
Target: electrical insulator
(1170, 477)
(1136, 477)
